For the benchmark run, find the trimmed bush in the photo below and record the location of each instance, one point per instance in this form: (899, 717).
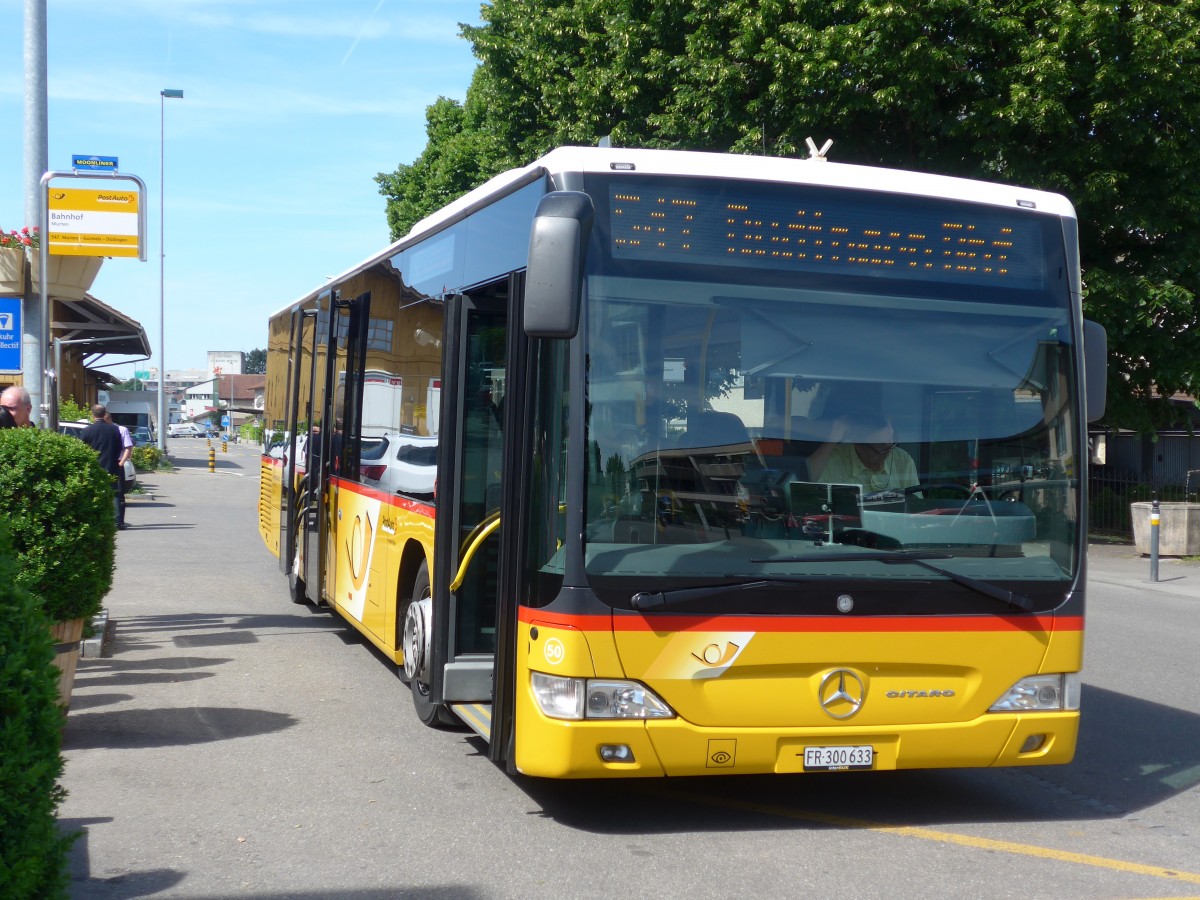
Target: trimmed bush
(70, 411)
(146, 459)
(32, 851)
(58, 504)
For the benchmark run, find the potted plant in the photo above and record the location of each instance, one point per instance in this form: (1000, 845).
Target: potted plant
(58, 504)
(68, 276)
(12, 258)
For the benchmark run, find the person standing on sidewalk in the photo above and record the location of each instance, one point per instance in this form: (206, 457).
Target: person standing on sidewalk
(17, 406)
(105, 439)
(126, 453)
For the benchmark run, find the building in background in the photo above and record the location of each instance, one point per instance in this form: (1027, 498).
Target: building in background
(240, 396)
(226, 362)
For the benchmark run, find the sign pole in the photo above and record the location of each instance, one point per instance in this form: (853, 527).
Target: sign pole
(49, 377)
(37, 139)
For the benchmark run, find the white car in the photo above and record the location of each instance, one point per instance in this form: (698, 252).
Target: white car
(400, 464)
(185, 429)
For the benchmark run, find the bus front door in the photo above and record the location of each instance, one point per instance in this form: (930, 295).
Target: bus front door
(467, 540)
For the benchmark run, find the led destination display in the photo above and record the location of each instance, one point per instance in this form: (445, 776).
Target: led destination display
(820, 231)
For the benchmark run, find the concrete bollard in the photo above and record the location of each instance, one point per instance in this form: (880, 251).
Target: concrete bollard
(1154, 521)
(212, 460)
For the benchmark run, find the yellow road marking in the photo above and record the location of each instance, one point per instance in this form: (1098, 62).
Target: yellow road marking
(948, 837)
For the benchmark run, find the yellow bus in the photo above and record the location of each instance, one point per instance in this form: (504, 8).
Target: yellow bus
(648, 463)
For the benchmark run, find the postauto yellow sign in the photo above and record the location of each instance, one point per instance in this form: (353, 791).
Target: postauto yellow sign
(93, 222)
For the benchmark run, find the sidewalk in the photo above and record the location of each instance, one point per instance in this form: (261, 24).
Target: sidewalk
(175, 740)
(1121, 564)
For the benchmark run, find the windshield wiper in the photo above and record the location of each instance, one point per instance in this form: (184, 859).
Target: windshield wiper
(644, 600)
(917, 558)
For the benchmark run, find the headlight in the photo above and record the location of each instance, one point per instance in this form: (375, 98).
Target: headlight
(595, 698)
(1041, 693)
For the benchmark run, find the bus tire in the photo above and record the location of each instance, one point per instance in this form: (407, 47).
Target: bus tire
(434, 715)
(296, 589)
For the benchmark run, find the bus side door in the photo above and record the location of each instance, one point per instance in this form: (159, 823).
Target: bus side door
(346, 544)
(470, 473)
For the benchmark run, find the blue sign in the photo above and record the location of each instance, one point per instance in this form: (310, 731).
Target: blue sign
(10, 335)
(93, 163)
(224, 421)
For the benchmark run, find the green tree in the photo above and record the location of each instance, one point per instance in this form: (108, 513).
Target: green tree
(461, 152)
(1095, 100)
(256, 362)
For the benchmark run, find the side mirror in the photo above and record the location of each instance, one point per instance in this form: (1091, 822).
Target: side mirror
(554, 279)
(1095, 361)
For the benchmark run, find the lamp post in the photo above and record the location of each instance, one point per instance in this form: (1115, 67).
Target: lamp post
(163, 95)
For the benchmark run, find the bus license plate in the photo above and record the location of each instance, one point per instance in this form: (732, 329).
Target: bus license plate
(837, 759)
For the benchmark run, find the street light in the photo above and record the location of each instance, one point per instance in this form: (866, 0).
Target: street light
(163, 95)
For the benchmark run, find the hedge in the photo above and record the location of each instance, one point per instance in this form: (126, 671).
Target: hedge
(58, 504)
(32, 850)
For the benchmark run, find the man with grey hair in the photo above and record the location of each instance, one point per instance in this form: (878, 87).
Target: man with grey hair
(18, 405)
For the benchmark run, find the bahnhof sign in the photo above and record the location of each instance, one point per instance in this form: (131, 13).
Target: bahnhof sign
(86, 222)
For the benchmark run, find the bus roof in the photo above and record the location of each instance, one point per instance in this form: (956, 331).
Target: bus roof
(721, 165)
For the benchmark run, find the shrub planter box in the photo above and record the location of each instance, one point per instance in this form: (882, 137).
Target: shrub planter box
(66, 636)
(1178, 528)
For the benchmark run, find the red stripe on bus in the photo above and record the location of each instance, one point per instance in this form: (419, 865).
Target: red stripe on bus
(804, 624)
(413, 506)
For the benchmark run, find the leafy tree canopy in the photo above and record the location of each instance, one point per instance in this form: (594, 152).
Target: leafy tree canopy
(1096, 100)
(255, 362)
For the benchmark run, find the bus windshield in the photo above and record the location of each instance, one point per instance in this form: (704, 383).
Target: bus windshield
(785, 381)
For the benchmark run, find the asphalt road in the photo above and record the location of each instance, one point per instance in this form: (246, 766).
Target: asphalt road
(237, 745)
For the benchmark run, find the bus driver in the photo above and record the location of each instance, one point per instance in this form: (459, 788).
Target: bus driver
(862, 450)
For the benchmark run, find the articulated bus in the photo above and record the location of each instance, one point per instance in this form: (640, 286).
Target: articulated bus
(649, 463)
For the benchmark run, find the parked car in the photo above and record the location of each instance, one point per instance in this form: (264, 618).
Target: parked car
(74, 429)
(141, 436)
(401, 464)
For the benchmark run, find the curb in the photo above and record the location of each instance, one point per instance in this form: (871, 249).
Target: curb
(100, 643)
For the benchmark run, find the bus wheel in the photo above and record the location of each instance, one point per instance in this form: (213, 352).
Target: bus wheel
(296, 590)
(415, 641)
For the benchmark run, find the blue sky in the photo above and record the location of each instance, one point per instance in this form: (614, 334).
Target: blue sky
(290, 108)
